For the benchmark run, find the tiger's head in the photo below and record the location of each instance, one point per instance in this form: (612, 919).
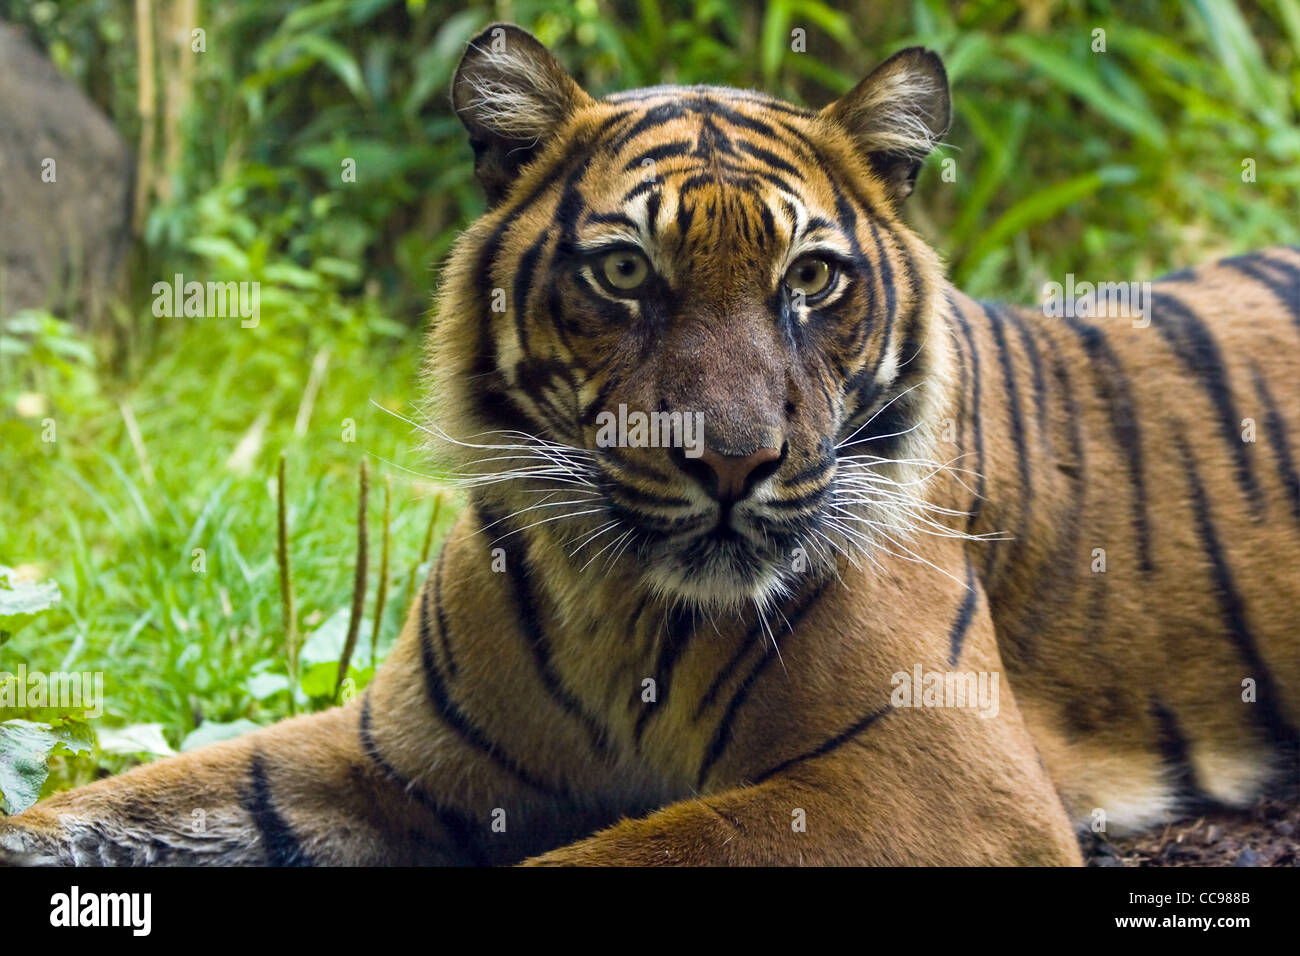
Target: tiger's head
(689, 339)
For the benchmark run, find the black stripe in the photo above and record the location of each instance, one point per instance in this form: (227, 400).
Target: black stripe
(683, 217)
(1030, 345)
(621, 468)
(491, 398)
(652, 213)
(535, 636)
(1016, 417)
(976, 416)
(609, 219)
(816, 469)
(679, 627)
(965, 614)
(1059, 569)
(278, 839)
(631, 495)
(654, 116)
(443, 628)
(1175, 754)
(458, 826)
(680, 147)
(644, 186)
(728, 669)
(961, 387)
(886, 271)
(801, 501)
(1195, 347)
(734, 117)
(1233, 608)
(456, 719)
(492, 248)
(769, 157)
(523, 285)
(1278, 441)
(723, 732)
(1113, 388)
(834, 743)
(799, 142)
(750, 174)
(1286, 289)
(861, 385)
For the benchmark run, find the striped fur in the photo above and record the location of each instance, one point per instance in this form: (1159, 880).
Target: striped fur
(593, 674)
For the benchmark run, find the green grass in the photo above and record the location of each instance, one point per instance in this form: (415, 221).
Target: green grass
(116, 524)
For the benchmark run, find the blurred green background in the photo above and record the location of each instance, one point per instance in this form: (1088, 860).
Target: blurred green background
(1114, 164)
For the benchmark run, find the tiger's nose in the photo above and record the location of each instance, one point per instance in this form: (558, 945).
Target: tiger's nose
(730, 478)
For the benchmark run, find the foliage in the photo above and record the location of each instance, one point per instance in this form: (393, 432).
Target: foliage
(25, 750)
(21, 601)
(1066, 158)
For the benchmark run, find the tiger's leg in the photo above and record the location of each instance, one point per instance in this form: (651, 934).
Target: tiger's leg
(430, 766)
(300, 792)
(941, 797)
(863, 775)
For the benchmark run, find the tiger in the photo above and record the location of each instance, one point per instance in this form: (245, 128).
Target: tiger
(935, 580)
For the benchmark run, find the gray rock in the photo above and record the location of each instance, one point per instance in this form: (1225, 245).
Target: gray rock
(62, 243)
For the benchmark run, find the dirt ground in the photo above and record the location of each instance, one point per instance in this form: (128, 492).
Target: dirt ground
(1266, 835)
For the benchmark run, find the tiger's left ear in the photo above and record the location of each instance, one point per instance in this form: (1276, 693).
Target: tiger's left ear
(513, 96)
(897, 115)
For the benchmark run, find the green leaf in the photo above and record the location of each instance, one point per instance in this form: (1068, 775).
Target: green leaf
(335, 56)
(314, 15)
(1082, 79)
(21, 601)
(776, 38)
(1239, 54)
(435, 62)
(1045, 203)
(263, 686)
(25, 750)
(211, 732)
(325, 644)
(320, 654)
(135, 739)
(838, 25)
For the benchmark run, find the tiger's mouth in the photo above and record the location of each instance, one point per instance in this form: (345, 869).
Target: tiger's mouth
(723, 555)
(719, 567)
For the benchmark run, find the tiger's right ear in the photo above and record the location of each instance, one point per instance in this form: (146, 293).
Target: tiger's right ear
(897, 115)
(512, 95)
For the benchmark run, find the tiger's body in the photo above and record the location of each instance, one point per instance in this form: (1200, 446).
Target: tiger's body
(698, 661)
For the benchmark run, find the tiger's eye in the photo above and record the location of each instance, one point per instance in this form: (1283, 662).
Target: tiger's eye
(808, 276)
(625, 269)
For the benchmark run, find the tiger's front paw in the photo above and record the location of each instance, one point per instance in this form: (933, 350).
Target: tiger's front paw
(23, 846)
(34, 839)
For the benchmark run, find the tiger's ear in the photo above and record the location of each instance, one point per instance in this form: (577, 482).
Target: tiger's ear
(897, 115)
(512, 95)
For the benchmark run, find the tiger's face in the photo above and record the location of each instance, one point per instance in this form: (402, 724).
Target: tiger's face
(691, 321)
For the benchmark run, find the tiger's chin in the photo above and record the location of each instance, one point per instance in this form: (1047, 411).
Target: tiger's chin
(719, 575)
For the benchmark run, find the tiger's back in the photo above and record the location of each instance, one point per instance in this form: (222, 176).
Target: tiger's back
(1147, 606)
